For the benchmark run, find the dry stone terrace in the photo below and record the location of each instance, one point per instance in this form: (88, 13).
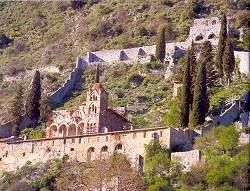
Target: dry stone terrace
(132, 143)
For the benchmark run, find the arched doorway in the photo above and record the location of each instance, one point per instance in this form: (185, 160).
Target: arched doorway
(104, 152)
(53, 131)
(72, 130)
(80, 129)
(62, 130)
(91, 153)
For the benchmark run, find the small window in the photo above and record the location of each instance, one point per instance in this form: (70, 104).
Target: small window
(144, 135)
(23, 154)
(213, 22)
(104, 149)
(72, 149)
(80, 140)
(64, 141)
(53, 143)
(118, 147)
(160, 133)
(73, 141)
(107, 138)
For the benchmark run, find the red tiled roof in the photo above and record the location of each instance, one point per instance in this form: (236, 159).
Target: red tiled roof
(112, 111)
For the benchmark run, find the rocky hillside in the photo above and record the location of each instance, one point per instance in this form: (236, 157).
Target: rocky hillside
(50, 35)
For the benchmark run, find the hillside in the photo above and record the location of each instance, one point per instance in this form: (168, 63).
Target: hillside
(53, 34)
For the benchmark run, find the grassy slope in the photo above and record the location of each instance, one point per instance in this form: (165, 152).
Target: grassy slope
(52, 33)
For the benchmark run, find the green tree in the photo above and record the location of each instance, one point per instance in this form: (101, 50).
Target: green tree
(160, 50)
(228, 60)
(221, 46)
(185, 98)
(157, 167)
(45, 107)
(207, 56)
(200, 100)
(33, 98)
(17, 109)
(193, 70)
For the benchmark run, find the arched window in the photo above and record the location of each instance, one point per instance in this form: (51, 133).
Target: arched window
(104, 149)
(211, 36)
(90, 153)
(118, 147)
(199, 38)
(95, 109)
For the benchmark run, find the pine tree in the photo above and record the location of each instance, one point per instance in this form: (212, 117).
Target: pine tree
(193, 71)
(221, 45)
(185, 99)
(228, 60)
(160, 50)
(200, 100)
(33, 98)
(17, 109)
(45, 107)
(207, 55)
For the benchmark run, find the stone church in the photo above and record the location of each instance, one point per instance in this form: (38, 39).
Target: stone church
(92, 116)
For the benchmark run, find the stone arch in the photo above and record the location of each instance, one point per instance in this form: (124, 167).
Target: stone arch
(90, 153)
(80, 128)
(62, 130)
(211, 36)
(72, 129)
(118, 147)
(53, 131)
(104, 152)
(199, 38)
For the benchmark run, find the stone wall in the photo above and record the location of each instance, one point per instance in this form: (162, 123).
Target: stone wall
(187, 159)
(59, 95)
(83, 148)
(6, 128)
(244, 65)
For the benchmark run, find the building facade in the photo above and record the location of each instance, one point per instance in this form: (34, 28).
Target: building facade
(91, 117)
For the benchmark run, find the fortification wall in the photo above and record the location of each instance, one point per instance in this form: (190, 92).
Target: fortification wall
(83, 148)
(187, 159)
(58, 96)
(244, 65)
(225, 119)
(6, 128)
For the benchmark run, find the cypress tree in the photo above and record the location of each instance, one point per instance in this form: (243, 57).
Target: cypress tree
(33, 98)
(160, 50)
(17, 109)
(185, 98)
(221, 45)
(200, 100)
(97, 74)
(228, 60)
(193, 71)
(207, 56)
(45, 107)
